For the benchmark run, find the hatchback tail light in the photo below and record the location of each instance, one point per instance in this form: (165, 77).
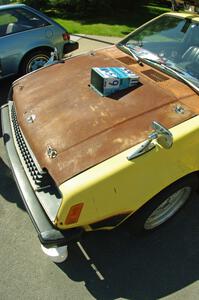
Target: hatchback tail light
(66, 36)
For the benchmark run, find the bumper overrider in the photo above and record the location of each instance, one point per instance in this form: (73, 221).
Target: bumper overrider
(49, 235)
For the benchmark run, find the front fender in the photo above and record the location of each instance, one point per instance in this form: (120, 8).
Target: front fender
(118, 186)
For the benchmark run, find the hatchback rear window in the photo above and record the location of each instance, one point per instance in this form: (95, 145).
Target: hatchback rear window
(16, 20)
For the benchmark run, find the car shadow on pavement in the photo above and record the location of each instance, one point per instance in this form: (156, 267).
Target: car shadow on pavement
(8, 189)
(118, 264)
(5, 85)
(7, 184)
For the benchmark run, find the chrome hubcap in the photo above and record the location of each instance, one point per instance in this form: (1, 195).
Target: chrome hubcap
(168, 208)
(36, 63)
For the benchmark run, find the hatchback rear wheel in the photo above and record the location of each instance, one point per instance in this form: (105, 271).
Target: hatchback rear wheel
(34, 61)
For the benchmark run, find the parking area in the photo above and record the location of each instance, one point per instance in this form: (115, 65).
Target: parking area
(102, 265)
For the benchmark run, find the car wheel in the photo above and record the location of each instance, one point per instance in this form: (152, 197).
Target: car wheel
(34, 61)
(164, 205)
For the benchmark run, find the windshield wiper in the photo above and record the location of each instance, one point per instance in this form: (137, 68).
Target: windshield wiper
(131, 52)
(176, 72)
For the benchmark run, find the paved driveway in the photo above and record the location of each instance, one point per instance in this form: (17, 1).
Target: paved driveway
(114, 265)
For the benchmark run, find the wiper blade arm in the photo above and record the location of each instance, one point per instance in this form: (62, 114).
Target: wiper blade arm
(179, 74)
(176, 72)
(131, 52)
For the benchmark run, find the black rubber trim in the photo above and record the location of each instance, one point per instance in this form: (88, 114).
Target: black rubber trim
(47, 233)
(70, 46)
(110, 222)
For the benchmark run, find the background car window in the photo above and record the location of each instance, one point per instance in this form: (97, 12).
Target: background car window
(5, 19)
(13, 21)
(31, 18)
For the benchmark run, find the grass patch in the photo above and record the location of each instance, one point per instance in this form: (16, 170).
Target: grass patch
(118, 24)
(97, 28)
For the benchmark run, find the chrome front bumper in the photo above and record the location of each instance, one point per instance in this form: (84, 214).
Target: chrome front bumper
(48, 235)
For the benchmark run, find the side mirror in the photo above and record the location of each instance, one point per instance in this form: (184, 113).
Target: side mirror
(163, 135)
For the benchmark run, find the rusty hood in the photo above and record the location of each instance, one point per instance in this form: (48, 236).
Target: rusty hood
(58, 111)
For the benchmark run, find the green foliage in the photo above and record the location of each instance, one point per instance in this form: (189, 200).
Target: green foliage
(6, 1)
(82, 7)
(39, 4)
(118, 24)
(100, 17)
(90, 7)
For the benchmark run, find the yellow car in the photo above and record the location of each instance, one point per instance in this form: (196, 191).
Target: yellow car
(87, 160)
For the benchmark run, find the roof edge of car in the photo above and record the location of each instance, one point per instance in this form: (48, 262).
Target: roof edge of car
(183, 14)
(6, 6)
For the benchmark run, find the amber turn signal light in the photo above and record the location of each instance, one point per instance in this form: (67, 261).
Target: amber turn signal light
(74, 213)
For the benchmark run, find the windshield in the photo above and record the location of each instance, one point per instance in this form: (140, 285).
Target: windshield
(168, 40)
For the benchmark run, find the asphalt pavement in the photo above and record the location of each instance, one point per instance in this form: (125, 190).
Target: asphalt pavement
(102, 265)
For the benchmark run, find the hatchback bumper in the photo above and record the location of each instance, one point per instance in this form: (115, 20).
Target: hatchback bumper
(48, 235)
(70, 46)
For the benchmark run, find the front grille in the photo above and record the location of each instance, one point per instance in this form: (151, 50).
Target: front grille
(39, 177)
(42, 183)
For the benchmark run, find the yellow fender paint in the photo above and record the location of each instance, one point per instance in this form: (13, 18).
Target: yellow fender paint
(117, 185)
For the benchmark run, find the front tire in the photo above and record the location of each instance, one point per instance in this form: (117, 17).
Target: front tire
(164, 205)
(34, 61)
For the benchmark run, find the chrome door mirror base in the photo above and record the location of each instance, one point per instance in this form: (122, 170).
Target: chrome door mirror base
(163, 136)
